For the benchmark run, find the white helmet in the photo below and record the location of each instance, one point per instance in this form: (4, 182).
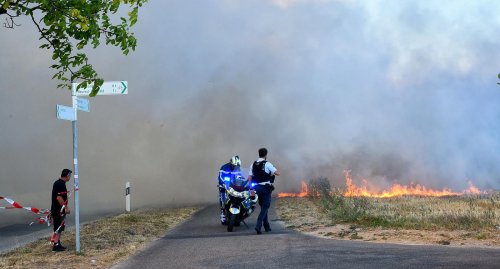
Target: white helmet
(235, 160)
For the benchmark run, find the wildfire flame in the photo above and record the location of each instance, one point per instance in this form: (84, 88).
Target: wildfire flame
(395, 190)
(303, 192)
(400, 190)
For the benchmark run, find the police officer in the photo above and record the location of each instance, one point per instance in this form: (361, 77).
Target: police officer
(262, 174)
(228, 172)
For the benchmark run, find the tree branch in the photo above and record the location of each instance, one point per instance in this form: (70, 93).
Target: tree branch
(48, 40)
(9, 21)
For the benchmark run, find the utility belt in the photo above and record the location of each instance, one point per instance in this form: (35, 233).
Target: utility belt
(267, 184)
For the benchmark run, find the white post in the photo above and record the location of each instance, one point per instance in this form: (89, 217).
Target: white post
(127, 196)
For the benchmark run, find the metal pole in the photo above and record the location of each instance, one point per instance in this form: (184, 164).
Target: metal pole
(75, 162)
(127, 196)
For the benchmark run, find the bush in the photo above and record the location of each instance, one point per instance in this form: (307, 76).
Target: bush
(345, 209)
(318, 187)
(339, 207)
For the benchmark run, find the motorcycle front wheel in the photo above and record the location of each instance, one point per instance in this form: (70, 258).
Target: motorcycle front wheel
(231, 222)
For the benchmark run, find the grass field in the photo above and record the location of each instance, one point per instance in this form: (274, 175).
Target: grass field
(410, 212)
(468, 217)
(103, 243)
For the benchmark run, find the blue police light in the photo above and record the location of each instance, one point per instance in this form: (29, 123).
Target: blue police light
(227, 178)
(253, 184)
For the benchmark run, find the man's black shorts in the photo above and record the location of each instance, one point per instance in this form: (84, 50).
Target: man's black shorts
(56, 221)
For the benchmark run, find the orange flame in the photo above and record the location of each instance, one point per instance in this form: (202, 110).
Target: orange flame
(303, 192)
(400, 190)
(395, 190)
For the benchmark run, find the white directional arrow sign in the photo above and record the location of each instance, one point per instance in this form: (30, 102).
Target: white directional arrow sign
(107, 88)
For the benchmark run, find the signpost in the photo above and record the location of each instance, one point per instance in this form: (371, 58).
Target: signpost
(70, 113)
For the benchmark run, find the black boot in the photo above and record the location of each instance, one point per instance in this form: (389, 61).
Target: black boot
(59, 243)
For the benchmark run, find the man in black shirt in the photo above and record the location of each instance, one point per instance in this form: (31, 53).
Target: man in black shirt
(59, 208)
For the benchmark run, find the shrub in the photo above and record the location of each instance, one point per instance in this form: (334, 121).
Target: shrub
(318, 187)
(341, 208)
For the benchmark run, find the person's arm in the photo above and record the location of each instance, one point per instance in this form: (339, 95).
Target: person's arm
(61, 189)
(250, 173)
(222, 174)
(273, 170)
(61, 202)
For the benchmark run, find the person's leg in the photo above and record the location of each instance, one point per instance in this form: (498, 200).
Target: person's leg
(222, 200)
(265, 223)
(265, 200)
(56, 238)
(63, 227)
(267, 227)
(58, 224)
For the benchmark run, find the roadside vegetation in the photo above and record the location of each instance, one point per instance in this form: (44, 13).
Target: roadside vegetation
(103, 243)
(408, 212)
(474, 217)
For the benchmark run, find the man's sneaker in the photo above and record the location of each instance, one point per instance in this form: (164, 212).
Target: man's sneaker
(63, 247)
(58, 248)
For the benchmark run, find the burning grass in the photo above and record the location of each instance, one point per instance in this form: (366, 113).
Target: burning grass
(468, 216)
(103, 243)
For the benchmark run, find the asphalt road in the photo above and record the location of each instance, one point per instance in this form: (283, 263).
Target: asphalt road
(201, 242)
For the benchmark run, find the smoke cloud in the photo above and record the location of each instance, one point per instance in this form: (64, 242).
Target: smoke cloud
(396, 92)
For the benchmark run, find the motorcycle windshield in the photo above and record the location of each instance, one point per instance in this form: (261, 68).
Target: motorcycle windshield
(240, 183)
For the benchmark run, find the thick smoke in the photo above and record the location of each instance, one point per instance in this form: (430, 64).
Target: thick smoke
(400, 92)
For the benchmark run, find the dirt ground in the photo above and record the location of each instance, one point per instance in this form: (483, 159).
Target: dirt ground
(103, 243)
(303, 215)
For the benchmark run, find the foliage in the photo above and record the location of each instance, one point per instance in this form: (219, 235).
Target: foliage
(345, 209)
(68, 26)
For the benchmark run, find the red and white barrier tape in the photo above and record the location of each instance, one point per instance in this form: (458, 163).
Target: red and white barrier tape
(15, 205)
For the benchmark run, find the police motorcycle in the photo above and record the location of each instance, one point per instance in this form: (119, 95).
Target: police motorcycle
(240, 201)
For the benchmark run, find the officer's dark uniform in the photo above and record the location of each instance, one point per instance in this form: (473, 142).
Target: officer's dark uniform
(263, 188)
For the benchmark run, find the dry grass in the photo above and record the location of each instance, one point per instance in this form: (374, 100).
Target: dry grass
(469, 221)
(103, 243)
(408, 212)
(430, 213)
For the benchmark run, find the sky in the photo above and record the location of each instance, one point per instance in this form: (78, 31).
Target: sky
(395, 91)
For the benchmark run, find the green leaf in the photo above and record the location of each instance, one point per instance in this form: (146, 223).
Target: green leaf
(66, 27)
(6, 4)
(75, 12)
(133, 16)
